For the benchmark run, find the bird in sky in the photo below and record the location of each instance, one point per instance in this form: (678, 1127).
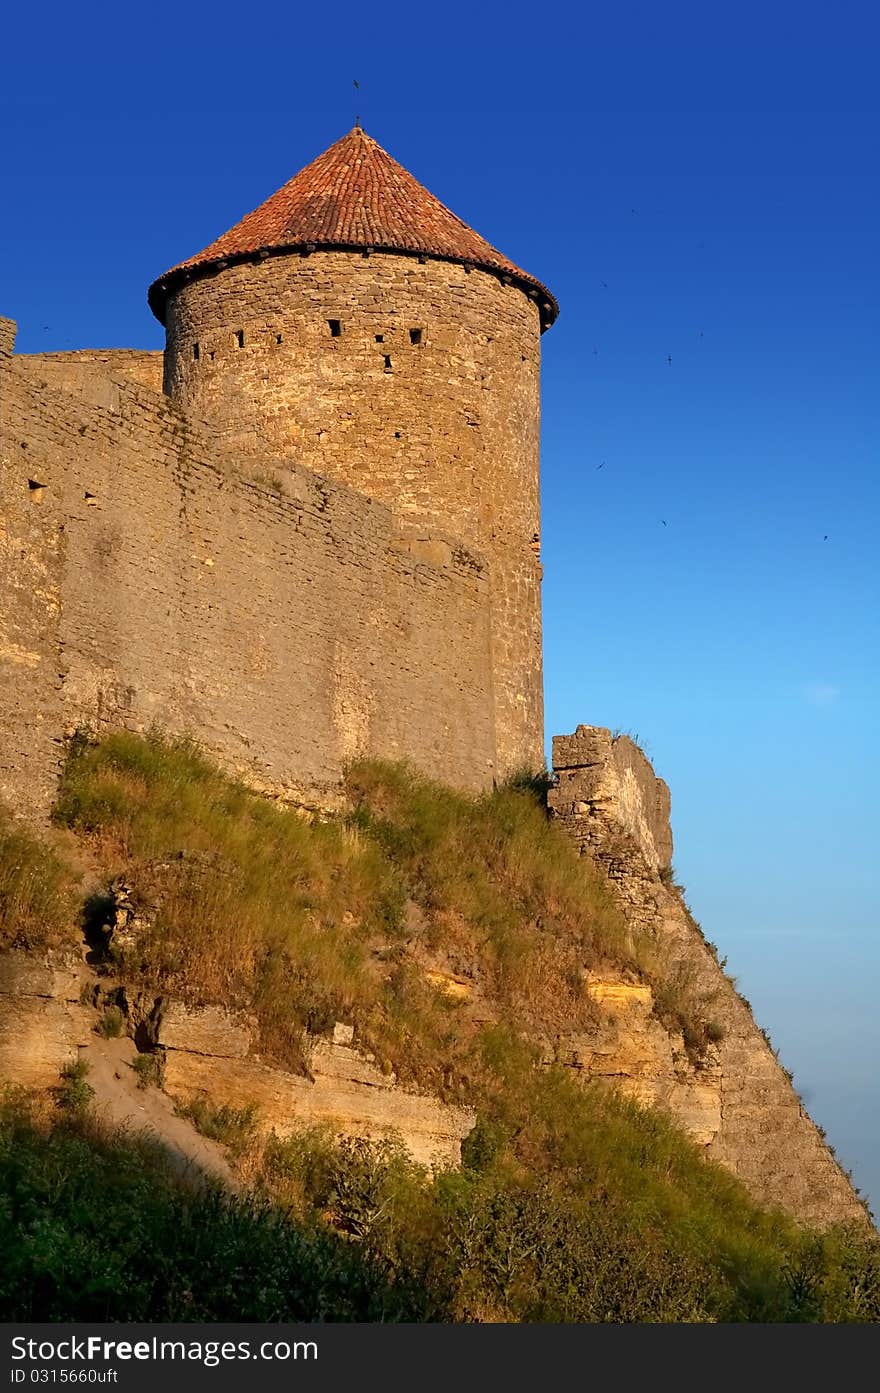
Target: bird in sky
(825, 538)
(663, 520)
(669, 359)
(602, 466)
(604, 285)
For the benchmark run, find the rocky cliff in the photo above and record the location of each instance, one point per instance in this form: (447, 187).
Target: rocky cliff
(733, 1096)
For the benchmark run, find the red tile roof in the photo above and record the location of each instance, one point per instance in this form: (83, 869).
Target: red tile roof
(354, 195)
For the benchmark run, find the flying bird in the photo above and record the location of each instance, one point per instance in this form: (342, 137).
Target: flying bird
(669, 359)
(604, 285)
(663, 520)
(600, 466)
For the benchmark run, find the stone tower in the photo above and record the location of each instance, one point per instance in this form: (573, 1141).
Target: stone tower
(356, 326)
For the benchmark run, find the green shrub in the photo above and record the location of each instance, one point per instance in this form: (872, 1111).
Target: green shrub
(100, 1229)
(74, 1093)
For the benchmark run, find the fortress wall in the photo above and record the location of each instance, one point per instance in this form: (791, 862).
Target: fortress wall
(444, 430)
(287, 622)
(63, 370)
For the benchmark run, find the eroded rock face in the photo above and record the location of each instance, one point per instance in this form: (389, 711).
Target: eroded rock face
(631, 1049)
(737, 1099)
(42, 1022)
(208, 1054)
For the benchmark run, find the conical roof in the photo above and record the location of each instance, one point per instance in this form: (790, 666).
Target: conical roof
(353, 196)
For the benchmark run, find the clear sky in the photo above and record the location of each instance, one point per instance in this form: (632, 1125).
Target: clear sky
(695, 182)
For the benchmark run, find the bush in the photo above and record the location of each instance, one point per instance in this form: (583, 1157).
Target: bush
(95, 1228)
(73, 1093)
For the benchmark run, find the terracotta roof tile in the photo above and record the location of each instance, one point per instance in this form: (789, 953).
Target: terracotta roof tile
(354, 195)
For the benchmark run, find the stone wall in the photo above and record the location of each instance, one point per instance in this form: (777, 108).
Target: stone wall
(313, 359)
(608, 800)
(286, 621)
(143, 366)
(7, 336)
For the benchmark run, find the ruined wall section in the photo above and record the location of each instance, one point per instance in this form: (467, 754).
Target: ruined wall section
(413, 381)
(64, 370)
(608, 800)
(286, 621)
(30, 702)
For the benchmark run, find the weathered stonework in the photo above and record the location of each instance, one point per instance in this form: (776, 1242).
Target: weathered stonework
(285, 620)
(739, 1102)
(444, 431)
(631, 1049)
(66, 370)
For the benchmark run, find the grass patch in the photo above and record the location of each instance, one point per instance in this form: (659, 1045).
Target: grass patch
(112, 1024)
(97, 1228)
(234, 1128)
(37, 901)
(149, 1069)
(248, 904)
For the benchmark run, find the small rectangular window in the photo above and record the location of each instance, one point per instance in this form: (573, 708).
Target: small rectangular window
(239, 337)
(196, 351)
(415, 335)
(387, 357)
(335, 327)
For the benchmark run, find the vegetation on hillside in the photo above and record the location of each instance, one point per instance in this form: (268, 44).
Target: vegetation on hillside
(614, 1222)
(571, 1204)
(37, 904)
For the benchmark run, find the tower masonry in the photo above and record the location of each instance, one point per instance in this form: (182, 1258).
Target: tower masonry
(354, 326)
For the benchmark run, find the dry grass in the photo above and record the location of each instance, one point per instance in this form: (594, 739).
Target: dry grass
(37, 902)
(246, 904)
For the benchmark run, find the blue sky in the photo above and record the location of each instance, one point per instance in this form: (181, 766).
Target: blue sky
(694, 182)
